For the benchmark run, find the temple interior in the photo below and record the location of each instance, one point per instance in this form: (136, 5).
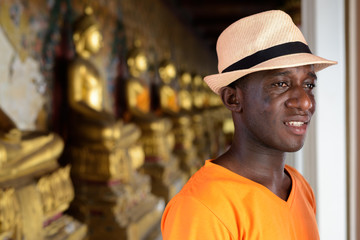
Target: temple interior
(104, 114)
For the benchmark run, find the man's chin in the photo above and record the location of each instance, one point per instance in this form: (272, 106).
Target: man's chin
(294, 148)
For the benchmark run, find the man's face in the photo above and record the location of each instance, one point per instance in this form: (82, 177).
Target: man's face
(277, 108)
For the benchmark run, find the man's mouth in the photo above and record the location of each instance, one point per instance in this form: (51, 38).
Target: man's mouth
(297, 127)
(295, 123)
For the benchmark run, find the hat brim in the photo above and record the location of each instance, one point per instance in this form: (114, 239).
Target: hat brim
(217, 81)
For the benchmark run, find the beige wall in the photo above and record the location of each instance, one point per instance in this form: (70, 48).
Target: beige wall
(353, 111)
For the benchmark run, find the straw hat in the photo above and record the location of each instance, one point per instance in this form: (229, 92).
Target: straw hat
(264, 41)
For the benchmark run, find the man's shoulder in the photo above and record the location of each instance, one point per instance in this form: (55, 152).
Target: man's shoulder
(210, 192)
(294, 173)
(204, 183)
(302, 184)
(213, 184)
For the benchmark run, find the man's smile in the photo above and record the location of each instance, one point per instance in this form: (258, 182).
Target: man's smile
(296, 124)
(297, 127)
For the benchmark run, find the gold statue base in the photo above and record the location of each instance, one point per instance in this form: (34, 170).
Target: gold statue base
(65, 227)
(189, 161)
(166, 178)
(116, 210)
(98, 162)
(161, 164)
(33, 209)
(111, 196)
(185, 148)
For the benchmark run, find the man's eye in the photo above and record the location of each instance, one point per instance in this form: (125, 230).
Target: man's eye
(280, 84)
(310, 85)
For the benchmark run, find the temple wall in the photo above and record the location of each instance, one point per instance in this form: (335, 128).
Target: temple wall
(30, 41)
(101, 172)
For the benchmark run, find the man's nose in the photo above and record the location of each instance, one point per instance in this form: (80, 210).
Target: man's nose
(300, 99)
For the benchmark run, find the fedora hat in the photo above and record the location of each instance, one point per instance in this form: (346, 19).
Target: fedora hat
(263, 41)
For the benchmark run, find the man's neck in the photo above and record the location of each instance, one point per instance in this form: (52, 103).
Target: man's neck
(264, 167)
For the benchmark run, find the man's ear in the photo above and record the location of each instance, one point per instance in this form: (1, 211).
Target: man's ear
(231, 98)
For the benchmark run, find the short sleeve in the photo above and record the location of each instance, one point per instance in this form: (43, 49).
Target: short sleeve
(187, 218)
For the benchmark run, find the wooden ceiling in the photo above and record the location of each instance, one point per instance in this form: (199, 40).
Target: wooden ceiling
(208, 18)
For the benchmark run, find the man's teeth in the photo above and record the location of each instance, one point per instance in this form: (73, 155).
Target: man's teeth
(296, 124)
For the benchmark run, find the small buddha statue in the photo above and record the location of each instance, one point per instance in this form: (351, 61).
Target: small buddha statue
(199, 99)
(97, 138)
(214, 100)
(186, 148)
(169, 103)
(24, 153)
(137, 90)
(86, 90)
(105, 152)
(185, 98)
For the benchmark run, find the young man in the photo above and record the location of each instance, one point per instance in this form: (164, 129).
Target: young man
(267, 76)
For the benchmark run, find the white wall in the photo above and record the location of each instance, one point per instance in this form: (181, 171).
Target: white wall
(324, 27)
(353, 115)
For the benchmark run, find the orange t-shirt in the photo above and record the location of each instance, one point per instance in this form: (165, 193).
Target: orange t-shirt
(219, 204)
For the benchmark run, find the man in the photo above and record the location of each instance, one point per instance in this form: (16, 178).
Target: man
(267, 76)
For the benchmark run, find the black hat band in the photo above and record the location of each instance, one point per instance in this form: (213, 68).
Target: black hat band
(267, 54)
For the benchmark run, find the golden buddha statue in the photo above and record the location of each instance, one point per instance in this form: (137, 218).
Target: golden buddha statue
(169, 104)
(223, 123)
(185, 98)
(199, 99)
(204, 137)
(94, 134)
(137, 90)
(86, 90)
(24, 153)
(214, 100)
(105, 153)
(26, 158)
(10, 218)
(138, 99)
(209, 106)
(94, 131)
(157, 137)
(91, 126)
(183, 129)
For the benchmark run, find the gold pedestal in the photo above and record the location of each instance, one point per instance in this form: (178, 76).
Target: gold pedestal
(115, 210)
(30, 211)
(160, 163)
(111, 196)
(166, 178)
(185, 148)
(35, 192)
(65, 227)
(202, 141)
(98, 162)
(189, 160)
(218, 115)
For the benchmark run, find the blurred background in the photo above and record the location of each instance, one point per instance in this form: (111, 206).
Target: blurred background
(104, 114)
